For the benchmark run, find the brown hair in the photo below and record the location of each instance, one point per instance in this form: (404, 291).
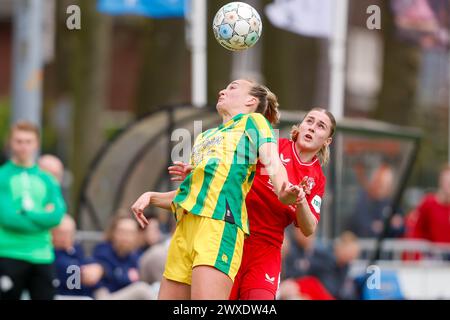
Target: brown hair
(347, 237)
(24, 126)
(324, 152)
(121, 214)
(268, 102)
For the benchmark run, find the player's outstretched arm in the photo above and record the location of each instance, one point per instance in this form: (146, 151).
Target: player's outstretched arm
(158, 199)
(306, 220)
(268, 154)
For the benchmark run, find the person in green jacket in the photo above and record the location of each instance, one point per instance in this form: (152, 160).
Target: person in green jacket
(30, 205)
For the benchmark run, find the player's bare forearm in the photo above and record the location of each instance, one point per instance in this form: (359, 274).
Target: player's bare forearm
(162, 200)
(305, 218)
(158, 199)
(277, 172)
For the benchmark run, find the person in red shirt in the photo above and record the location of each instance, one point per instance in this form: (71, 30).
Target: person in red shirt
(303, 156)
(433, 213)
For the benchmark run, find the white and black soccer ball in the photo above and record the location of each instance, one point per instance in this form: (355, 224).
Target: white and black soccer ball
(237, 26)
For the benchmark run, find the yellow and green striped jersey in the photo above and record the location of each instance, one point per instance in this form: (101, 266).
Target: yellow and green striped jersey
(224, 162)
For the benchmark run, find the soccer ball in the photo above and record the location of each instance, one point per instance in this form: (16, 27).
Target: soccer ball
(237, 26)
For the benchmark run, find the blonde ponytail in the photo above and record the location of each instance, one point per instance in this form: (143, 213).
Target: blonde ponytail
(268, 102)
(271, 113)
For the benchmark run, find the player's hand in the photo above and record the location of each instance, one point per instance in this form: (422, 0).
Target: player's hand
(179, 170)
(289, 195)
(138, 208)
(305, 186)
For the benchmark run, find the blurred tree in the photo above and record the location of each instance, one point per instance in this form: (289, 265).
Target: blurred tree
(164, 75)
(398, 100)
(87, 61)
(400, 74)
(5, 110)
(291, 67)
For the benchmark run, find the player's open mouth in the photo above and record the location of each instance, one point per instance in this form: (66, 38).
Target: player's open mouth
(308, 137)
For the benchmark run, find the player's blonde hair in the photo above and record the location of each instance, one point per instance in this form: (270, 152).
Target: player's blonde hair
(324, 153)
(268, 102)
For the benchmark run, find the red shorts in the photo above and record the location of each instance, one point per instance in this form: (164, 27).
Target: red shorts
(260, 269)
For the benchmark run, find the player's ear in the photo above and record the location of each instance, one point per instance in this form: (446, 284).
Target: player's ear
(251, 101)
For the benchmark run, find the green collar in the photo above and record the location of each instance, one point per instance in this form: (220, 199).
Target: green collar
(232, 120)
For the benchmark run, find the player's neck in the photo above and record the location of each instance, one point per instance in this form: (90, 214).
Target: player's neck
(22, 163)
(227, 116)
(304, 155)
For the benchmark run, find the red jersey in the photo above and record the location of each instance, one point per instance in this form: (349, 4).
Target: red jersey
(268, 217)
(433, 220)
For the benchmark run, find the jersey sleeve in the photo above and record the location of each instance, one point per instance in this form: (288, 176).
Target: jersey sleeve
(259, 130)
(315, 199)
(11, 217)
(52, 217)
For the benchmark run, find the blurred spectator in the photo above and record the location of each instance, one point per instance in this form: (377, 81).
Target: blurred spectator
(320, 273)
(304, 288)
(334, 272)
(151, 235)
(30, 205)
(432, 216)
(299, 251)
(373, 201)
(51, 164)
(117, 263)
(68, 255)
(152, 262)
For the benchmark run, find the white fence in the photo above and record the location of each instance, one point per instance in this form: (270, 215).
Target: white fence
(422, 268)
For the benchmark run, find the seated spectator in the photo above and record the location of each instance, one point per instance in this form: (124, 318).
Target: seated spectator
(333, 272)
(151, 235)
(51, 164)
(116, 264)
(299, 251)
(54, 166)
(68, 257)
(321, 273)
(373, 200)
(152, 262)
